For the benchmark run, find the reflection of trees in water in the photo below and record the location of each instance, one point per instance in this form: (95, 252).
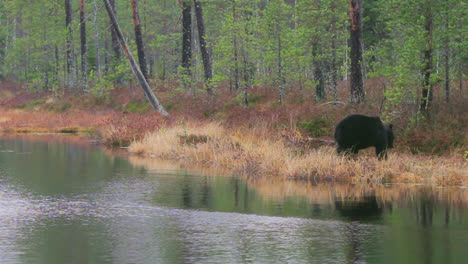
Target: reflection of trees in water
(365, 209)
(353, 236)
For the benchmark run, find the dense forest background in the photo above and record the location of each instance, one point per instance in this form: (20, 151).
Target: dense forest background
(234, 45)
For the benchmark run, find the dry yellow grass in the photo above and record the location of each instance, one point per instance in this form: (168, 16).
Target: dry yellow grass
(255, 154)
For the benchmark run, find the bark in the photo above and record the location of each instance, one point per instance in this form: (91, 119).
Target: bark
(207, 66)
(139, 39)
(447, 55)
(84, 66)
(357, 85)
(236, 48)
(186, 35)
(282, 82)
(115, 41)
(334, 70)
(318, 74)
(70, 52)
(135, 69)
(96, 43)
(57, 63)
(428, 60)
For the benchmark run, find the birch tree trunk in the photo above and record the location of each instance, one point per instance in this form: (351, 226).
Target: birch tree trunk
(427, 71)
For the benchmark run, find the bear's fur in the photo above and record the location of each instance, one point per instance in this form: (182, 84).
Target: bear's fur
(356, 132)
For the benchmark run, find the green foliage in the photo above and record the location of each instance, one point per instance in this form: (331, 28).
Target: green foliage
(316, 126)
(33, 104)
(269, 42)
(137, 106)
(58, 106)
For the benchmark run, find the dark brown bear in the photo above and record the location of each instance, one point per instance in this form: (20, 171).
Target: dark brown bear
(356, 132)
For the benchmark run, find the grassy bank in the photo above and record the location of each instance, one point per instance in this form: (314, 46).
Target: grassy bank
(254, 153)
(288, 141)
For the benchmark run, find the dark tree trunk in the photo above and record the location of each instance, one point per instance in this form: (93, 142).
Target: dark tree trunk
(84, 66)
(115, 41)
(186, 35)
(134, 66)
(427, 85)
(236, 47)
(447, 55)
(57, 64)
(282, 81)
(139, 39)
(357, 85)
(203, 48)
(318, 74)
(70, 55)
(334, 70)
(96, 42)
(106, 55)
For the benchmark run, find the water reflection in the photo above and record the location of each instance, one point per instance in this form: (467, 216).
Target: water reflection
(71, 203)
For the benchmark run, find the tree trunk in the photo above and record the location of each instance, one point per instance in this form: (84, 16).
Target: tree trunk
(427, 71)
(70, 53)
(139, 39)
(236, 48)
(96, 42)
(447, 54)
(282, 82)
(115, 41)
(357, 85)
(333, 66)
(318, 74)
(186, 35)
(203, 48)
(84, 66)
(136, 70)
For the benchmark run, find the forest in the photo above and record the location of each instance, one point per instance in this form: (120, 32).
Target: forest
(291, 67)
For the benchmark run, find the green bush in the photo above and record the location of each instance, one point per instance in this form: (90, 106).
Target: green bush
(316, 127)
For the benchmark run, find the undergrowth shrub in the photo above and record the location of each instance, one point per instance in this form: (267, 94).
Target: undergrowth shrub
(317, 126)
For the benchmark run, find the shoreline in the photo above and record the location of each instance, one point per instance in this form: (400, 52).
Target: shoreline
(211, 146)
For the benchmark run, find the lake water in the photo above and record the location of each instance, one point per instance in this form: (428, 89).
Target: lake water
(65, 201)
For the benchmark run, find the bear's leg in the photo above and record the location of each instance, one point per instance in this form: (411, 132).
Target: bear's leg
(354, 153)
(339, 150)
(381, 152)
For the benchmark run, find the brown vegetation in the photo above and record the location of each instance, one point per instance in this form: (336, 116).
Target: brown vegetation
(289, 141)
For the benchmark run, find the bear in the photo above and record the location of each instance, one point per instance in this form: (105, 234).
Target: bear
(356, 132)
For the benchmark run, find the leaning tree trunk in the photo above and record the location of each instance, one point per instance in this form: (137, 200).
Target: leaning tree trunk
(135, 69)
(186, 36)
(203, 48)
(139, 39)
(84, 66)
(427, 71)
(357, 85)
